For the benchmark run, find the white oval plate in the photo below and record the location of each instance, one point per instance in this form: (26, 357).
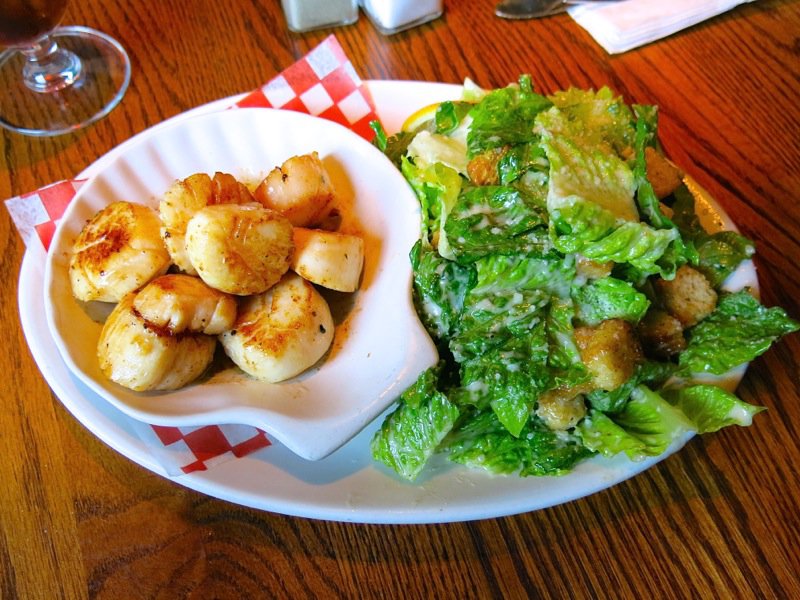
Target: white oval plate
(379, 348)
(347, 485)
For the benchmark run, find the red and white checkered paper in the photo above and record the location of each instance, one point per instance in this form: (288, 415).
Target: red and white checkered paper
(323, 83)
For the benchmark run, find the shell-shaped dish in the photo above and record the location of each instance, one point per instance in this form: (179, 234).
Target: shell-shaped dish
(379, 347)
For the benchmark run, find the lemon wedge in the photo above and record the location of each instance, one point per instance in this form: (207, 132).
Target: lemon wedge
(421, 116)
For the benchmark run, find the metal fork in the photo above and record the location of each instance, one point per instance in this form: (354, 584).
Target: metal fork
(532, 9)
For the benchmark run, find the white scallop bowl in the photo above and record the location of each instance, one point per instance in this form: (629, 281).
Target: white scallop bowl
(379, 348)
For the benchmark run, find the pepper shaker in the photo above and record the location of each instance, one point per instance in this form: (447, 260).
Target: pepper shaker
(305, 15)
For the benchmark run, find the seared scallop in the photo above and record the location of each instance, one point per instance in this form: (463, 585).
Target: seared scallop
(184, 303)
(327, 258)
(118, 251)
(142, 357)
(239, 249)
(184, 198)
(282, 332)
(300, 189)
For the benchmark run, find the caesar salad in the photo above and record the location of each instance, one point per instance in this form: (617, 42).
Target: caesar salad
(578, 304)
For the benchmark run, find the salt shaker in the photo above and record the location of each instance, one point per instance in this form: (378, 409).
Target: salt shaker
(391, 16)
(305, 15)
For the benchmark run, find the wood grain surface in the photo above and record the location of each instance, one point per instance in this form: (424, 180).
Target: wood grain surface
(720, 519)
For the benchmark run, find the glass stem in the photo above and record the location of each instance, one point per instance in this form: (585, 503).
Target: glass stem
(49, 68)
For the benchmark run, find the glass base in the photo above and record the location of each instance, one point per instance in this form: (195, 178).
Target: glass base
(105, 71)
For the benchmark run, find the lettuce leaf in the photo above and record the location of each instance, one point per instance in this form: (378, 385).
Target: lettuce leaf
(651, 373)
(586, 228)
(509, 299)
(598, 118)
(394, 146)
(505, 117)
(449, 116)
(739, 330)
(429, 148)
(440, 287)
(509, 377)
(586, 174)
(609, 298)
(646, 426)
(520, 159)
(481, 441)
(437, 187)
(564, 358)
(409, 436)
(646, 199)
(718, 254)
(495, 219)
(710, 408)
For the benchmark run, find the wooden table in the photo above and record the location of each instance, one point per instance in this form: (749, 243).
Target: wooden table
(719, 519)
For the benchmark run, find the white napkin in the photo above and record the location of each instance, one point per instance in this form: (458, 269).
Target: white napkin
(621, 26)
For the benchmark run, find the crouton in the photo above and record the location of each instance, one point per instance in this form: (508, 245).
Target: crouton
(661, 334)
(610, 350)
(482, 169)
(592, 269)
(664, 176)
(689, 297)
(561, 408)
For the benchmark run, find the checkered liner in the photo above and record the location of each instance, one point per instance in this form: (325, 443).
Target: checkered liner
(323, 84)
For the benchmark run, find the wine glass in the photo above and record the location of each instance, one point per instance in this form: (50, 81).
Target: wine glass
(55, 80)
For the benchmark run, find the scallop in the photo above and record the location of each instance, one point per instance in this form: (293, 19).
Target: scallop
(187, 196)
(142, 357)
(118, 251)
(300, 189)
(280, 333)
(239, 249)
(185, 303)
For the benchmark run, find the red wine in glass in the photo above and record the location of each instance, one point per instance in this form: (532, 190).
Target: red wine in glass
(25, 21)
(55, 80)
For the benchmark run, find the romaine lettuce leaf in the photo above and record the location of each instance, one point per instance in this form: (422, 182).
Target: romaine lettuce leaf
(651, 373)
(449, 116)
(410, 435)
(505, 116)
(437, 188)
(599, 433)
(564, 359)
(589, 175)
(646, 199)
(481, 441)
(394, 146)
(440, 286)
(646, 426)
(739, 330)
(429, 148)
(718, 254)
(495, 219)
(489, 320)
(710, 408)
(609, 298)
(598, 118)
(586, 228)
(520, 159)
(509, 377)
(509, 299)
